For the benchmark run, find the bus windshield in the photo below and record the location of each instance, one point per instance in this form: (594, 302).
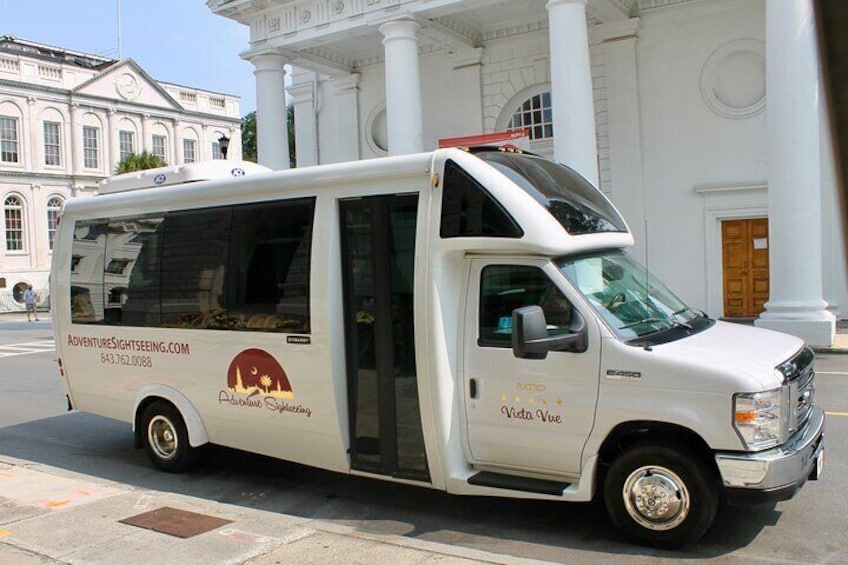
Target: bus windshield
(635, 305)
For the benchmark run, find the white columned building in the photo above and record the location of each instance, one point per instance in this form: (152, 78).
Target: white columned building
(571, 88)
(403, 86)
(272, 142)
(661, 103)
(795, 304)
(61, 117)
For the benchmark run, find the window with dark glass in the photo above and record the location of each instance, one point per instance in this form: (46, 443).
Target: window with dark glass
(269, 266)
(191, 269)
(194, 264)
(503, 288)
(132, 294)
(469, 211)
(88, 250)
(536, 116)
(577, 205)
(117, 266)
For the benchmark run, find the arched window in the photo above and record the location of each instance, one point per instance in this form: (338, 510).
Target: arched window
(14, 215)
(535, 115)
(54, 207)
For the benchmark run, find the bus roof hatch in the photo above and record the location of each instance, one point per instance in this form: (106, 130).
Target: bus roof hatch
(179, 174)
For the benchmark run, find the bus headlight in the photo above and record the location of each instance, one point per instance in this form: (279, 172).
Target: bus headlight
(759, 418)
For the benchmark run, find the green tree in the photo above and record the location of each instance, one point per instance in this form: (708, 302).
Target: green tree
(290, 127)
(248, 136)
(139, 162)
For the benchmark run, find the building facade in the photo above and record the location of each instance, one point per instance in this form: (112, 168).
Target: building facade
(66, 120)
(729, 192)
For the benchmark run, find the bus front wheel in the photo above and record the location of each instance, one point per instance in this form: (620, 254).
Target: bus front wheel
(660, 495)
(165, 438)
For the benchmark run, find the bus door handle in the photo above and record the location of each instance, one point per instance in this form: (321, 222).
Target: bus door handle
(472, 388)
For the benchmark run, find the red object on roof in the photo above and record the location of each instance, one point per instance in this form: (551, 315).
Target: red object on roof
(519, 138)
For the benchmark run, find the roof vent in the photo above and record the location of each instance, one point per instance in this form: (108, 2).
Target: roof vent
(179, 174)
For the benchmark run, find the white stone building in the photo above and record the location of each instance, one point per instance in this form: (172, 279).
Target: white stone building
(66, 119)
(663, 103)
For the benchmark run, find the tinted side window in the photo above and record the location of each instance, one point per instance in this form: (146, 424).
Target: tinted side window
(469, 211)
(131, 271)
(269, 266)
(193, 272)
(503, 288)
(87, 254)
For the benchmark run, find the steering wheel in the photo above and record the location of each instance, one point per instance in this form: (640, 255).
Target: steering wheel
(618, 300)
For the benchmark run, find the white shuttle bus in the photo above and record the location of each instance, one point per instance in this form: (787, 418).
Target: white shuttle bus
(468, 321)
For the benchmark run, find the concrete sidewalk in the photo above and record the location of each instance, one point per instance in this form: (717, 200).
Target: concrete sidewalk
(51, 516)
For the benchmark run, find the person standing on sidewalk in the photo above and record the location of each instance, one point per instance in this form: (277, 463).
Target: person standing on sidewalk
(29, 300)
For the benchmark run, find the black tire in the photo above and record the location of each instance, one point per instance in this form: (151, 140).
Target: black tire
(661, 495)
(165, 438)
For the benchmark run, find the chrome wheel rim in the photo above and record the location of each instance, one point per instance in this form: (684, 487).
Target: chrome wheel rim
(162, 437)
(656, 498)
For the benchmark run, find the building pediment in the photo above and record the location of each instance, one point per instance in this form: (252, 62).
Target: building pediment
(127, 81)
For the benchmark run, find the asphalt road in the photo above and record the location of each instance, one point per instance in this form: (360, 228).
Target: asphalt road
(35, 426)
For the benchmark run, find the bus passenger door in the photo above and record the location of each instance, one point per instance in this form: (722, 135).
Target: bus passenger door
(525, 414)
(378, 250)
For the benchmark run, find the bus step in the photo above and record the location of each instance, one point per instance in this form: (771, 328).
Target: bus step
(511, 482)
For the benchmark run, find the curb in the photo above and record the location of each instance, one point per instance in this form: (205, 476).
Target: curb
(357, 546)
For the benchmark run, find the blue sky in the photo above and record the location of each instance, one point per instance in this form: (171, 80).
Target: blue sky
(178, 41)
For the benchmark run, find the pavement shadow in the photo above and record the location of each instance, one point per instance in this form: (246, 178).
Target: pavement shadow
(99, 447)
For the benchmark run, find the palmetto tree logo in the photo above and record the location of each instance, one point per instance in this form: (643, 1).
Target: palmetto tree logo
(254, 371)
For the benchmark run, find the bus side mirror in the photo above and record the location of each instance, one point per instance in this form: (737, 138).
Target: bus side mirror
(530, 339)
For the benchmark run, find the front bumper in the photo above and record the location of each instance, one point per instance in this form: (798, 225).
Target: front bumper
(778, 473)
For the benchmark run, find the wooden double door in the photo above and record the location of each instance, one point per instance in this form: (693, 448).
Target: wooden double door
(745, 266)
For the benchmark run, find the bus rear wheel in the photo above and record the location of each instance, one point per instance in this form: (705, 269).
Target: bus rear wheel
(165, 438)
(661, 496)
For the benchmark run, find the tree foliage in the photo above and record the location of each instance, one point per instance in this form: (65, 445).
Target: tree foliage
(139, 162)
(248, 137)
(249, 144)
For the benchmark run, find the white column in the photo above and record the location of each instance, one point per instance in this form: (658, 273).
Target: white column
(625, 143)
(795, 303)
(204, 152)
(272, 141)
(467, 110)
(403, 87)
(575, 143)
(303, 95)
(114, 156)
(75, 139)
(346, 91)
(146, 134)
(177, 143)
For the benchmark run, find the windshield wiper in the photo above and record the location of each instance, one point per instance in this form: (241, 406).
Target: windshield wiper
(640, 322)
(681, 323)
